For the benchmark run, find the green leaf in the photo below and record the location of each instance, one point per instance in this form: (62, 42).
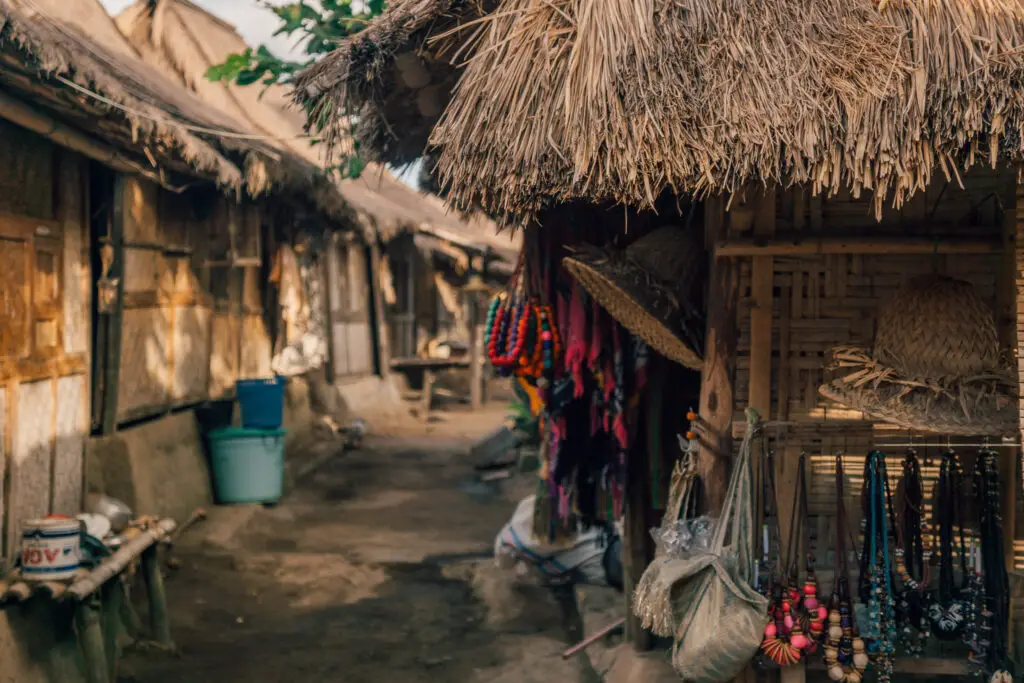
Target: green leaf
(249, 76)
(355, 167)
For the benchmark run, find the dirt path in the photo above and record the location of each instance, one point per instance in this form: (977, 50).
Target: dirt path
(369, 571)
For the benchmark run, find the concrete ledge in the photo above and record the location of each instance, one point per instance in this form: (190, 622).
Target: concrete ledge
(157, 468)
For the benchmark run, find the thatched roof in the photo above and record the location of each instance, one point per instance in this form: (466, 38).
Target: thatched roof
(184, 41)
(622, 99)
(153, 119)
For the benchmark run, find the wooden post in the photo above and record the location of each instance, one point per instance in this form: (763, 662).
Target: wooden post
(476, 353)
(113, 607)
(156, 595)
(428, 394)
(88, 623)
(637, 547)
(716, 390)
(113, 323)
(382, 348)
(1012, 310)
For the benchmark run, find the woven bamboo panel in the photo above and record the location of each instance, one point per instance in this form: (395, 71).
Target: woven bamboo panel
(224, 357)
(26, 172)
(255, 348)
(141, 211)
(145, 377)
(191, 352)
(825, 300)
(31, 457)
(70, 446)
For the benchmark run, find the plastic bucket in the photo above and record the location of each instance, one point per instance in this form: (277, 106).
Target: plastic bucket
(262, 402)
(248, 464)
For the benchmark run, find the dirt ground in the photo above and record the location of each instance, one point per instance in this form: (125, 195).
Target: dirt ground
(376, 567)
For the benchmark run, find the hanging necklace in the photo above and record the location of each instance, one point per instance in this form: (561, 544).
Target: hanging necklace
(875, 557)
(913, 555)
(949, 612)
(814, 613)
(845, 655)
(993, 601)
(783, 640)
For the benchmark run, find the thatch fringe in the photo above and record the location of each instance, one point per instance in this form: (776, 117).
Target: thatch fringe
(359, 78)
(619, 100)
(157, 112)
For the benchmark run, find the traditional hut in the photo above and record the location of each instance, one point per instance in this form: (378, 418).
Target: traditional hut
(824, 155)
(420, 240)
(133, 227)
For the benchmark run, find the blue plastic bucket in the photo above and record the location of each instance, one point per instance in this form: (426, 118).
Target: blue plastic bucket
(248, 464)
(262, 402)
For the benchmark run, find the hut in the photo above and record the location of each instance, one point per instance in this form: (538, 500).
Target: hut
(137, 225)
(404, 232)
(817, 177)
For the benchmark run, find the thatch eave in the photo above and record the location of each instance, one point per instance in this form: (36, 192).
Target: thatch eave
(622, 100)
(137, 110)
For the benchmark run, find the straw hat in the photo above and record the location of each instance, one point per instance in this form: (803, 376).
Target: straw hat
(649, 288)
(936, 365)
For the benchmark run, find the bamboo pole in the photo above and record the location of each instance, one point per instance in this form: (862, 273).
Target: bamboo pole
(88, 623)
(20, 113)
(158, 621)
(113, 565)
(801, 246)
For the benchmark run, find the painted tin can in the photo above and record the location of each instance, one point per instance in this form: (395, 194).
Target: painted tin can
(51, 548)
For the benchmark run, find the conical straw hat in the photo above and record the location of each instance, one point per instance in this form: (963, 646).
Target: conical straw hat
(935, 366)
(649, 288)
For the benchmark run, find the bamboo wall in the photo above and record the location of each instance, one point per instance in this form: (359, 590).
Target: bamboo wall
(44, 330)
(192, 322)
(794, 308)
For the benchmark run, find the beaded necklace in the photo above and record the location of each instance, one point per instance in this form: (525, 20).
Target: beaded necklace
(949, 612)
(845, 656)
(784, 640)
(990, 649)
(881, 605)
(913, 554)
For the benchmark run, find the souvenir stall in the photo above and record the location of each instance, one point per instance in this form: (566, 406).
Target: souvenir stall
(845, 172)
(605, 327)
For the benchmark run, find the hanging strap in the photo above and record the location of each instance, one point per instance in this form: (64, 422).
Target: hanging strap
(737, 515)
(841, 579)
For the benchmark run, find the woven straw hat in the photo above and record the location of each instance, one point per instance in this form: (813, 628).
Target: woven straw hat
(936, 364)
(648, 288)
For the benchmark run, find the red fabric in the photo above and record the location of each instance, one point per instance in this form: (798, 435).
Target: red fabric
(576, 346)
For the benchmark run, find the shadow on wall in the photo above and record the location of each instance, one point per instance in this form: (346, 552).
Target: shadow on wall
(38, 641)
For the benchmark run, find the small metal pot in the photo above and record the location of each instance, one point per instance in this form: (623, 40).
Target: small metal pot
(117, 512)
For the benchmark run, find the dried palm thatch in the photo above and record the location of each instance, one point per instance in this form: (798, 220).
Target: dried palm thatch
(935, 366)
(618, 100)
(85, 48)
(390, 77)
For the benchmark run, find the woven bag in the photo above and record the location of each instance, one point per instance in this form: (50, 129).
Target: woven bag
(718, 617)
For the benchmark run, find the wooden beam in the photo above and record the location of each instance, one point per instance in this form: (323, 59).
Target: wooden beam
(716, 390)
(1012, 331)
(802, 246)
(114, 319)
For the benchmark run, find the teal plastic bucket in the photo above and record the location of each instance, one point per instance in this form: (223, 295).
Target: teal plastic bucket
(248, 464)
